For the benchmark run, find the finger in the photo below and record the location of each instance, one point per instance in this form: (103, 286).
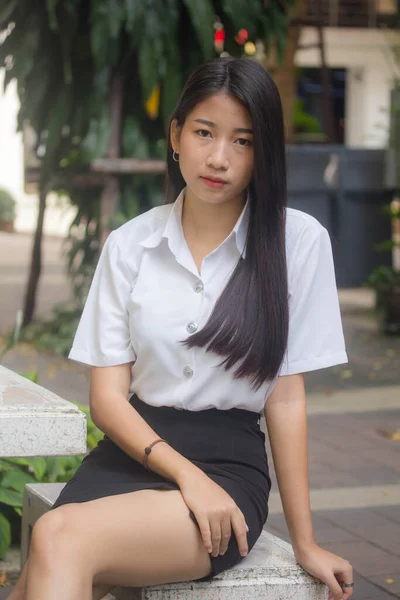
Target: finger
(336, 592)
(345, 574)
(240, 528)
(216, 535)
(204, 526)
(226, 531)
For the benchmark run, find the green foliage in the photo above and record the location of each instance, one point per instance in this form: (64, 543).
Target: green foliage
(15, 473)
(56, 333)
(63, 54)
(7, 206)
(304, 122)
(384, 279)
(14, 335)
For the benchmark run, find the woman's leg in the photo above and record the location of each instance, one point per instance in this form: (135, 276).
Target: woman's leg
(135, 539)
(19, 591)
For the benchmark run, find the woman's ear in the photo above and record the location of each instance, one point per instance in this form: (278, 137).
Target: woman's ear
(175, 135)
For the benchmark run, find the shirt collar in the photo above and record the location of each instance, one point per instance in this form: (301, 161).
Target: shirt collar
(172, 231)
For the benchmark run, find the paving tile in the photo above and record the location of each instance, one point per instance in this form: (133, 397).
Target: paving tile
(333, 534)
(277, 522)
(393, 588)
(374, 597)
(389, 512)
(277, 532)
(331, 478)
(368, 526)
(375, 475)
(365, 558)
(364, 589)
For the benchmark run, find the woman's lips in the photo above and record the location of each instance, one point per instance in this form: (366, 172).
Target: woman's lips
(214, 184)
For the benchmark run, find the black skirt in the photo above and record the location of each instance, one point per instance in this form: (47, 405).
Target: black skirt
(228, 445)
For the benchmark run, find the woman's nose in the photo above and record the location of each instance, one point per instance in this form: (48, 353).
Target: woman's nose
(218, 158)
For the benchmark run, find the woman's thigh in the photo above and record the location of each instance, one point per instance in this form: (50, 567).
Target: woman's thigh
(135, 539)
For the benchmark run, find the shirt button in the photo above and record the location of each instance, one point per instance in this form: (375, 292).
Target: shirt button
(199, 287)
(188, 372)
(191, 327)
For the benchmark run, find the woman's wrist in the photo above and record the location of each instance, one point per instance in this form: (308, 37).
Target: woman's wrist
(301, 547)
(186, 472)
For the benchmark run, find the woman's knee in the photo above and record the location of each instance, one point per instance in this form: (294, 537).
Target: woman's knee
(56, 534)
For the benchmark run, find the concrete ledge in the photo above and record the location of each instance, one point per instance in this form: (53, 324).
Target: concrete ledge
(36, 422)
(269, 571)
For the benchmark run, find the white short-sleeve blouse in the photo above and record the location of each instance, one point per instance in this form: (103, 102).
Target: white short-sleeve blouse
(147, 294)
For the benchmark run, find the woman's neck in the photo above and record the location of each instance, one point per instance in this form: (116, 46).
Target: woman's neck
(210, 223)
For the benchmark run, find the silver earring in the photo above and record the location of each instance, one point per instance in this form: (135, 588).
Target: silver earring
(174, 154)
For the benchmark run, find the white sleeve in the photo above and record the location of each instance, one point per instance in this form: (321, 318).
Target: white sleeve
(103, 335)
(316, 337)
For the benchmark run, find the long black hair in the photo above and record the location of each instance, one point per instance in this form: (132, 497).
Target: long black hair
(250, 319)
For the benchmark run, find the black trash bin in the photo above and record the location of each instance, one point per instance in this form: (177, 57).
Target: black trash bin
(346, 202)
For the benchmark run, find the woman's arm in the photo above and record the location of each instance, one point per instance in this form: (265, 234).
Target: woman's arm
(215, 511)
(112, 413)
(286, 420)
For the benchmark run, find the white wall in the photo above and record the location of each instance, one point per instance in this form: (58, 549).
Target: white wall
(367, 56)
(58, 214)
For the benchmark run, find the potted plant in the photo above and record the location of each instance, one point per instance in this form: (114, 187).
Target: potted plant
(386, 280)
(7, 211)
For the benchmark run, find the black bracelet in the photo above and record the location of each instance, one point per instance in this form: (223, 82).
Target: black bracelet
(147, 451)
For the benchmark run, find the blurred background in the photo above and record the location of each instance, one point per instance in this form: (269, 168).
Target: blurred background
(86, 90)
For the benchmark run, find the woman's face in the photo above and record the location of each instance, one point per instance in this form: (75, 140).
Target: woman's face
(215, 147)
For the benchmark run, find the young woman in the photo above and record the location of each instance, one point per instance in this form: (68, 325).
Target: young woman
(205, 312)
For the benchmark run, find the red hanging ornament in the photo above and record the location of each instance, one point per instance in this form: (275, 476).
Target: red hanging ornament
(219, 39)
(242, 36)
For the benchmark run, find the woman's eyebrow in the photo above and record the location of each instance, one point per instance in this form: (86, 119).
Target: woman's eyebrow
(211, 124)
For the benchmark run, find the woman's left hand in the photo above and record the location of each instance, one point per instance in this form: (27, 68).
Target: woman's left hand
(329, 568)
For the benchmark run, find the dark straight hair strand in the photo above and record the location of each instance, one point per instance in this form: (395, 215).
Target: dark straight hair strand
(250, 320)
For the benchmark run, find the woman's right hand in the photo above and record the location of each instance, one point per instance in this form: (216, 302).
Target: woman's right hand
(216, 512)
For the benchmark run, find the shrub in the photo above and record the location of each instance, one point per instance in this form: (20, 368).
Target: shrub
(7, 206)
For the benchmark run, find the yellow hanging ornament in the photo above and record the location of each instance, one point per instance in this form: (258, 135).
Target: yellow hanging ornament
(250, 48)
(153, 102)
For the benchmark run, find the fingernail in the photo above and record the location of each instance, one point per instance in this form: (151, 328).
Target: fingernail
(244, 553)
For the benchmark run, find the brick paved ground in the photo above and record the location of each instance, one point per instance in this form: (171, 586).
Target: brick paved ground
(347, 451)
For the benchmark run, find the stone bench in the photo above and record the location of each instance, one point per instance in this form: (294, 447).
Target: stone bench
(37, 422)
(269, 572)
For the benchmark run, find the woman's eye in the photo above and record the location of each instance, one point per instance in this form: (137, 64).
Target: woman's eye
(244, 142)
(203, 132)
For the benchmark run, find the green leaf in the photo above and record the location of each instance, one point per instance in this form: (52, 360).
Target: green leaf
(202, 16)
(6, 12)
(5, 465)
(134, 143)
(39, 467)
(51, 6)
(20, 461)
(17, 480)
(172, 83)
(243, 13)
(147, 68)
(98, 137)
(10, 497)
(5, 536)
(134, 14)
(116, 17)
(31, 375)
(104, 45)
